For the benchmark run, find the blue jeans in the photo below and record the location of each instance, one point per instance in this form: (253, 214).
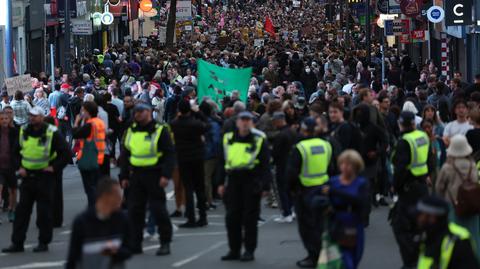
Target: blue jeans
(151, 223)
(351, 256)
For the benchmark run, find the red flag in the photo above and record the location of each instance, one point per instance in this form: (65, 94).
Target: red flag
(269, 28)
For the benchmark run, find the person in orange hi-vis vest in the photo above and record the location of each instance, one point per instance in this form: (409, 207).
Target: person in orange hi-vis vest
(90, 130)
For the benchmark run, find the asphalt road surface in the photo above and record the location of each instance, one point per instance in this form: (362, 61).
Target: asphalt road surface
(279, 244)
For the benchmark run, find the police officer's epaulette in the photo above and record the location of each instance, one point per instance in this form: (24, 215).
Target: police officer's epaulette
(258, 133)
(52, 127)
(23, 131)
(43, 138)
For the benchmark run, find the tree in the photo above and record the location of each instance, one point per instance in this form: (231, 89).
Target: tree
(172, 18)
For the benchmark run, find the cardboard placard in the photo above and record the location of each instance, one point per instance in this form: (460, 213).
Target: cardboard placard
(21, 83)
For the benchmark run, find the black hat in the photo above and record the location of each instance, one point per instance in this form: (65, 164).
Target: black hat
(246, 115)
(184, 106)
(141, 106)
(278, 115)
(309, 124)
(433, 205)
(406, 117)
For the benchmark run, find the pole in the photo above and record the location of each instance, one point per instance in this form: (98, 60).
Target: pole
(130, 32)
(347, 26)
(429, 42)
(67, 37)
(367, 31)
(52, 66)
(8, 41)
(382, 50)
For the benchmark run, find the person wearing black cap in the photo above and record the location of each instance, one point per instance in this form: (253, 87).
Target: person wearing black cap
(188, 132)
(443, 245)
(42, 151)
(246, 163)
(412, 161)
(146, 160)
(307, 172)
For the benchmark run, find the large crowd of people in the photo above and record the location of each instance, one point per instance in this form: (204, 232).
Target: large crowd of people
(327, 138)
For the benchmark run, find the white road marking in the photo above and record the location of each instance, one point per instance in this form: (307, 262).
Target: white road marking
(66, 232)
(199, 254)
(37, 265)
(209, 223)
(212, 248)
(200, 234)
(214, 216)
(146, 248)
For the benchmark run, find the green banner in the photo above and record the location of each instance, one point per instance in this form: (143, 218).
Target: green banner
(216, 82)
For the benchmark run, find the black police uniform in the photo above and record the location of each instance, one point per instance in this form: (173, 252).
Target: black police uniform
(410, 190)
(38, 187)
(144, 187)
(243, 193)
(308, 204)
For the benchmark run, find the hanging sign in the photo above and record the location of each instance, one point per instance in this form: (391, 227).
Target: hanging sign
(435, 14)
(418, 36)
(107, 18)
(458, 12)
(411, 8)
(146, 5)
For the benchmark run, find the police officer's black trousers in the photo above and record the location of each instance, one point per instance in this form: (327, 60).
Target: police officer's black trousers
(310, 226)
(193, 178)
(403, 223)
(35, 188)
(145, 187)
(242, 202)
(405, 233)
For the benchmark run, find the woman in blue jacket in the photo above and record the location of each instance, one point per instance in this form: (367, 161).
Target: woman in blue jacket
(348, 194)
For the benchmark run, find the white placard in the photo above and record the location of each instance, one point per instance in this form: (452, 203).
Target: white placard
(162, 34)
(184, 10)
(258, 43)
(21, 83)
(82, 27)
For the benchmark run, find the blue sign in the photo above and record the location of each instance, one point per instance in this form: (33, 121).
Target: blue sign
(436, 14)
(388, 25)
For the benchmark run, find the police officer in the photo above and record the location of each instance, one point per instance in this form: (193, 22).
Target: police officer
(246, 164)
(43, 152)
(443, 245)
(307, 171)
(412, 162)
(147, 159)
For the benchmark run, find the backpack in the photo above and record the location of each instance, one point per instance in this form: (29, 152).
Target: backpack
(467, 203)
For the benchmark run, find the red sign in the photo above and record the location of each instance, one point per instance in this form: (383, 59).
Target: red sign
(405, 39)
(406, 26)
(411, 8)
(418, 36)
(401, 27)
(116, 10)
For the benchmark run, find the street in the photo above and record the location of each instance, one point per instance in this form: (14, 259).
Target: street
(279, 244)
